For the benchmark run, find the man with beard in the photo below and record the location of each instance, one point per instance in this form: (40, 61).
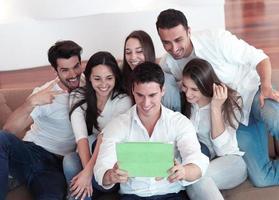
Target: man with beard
(36, 160)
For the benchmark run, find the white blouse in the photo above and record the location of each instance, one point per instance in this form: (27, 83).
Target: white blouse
(224, 144)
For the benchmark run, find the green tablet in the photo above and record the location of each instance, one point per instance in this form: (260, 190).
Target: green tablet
(145, 159)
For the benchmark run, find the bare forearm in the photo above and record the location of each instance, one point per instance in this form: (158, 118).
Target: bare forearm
(20, 119)
(83, 151)
(264, 71)
(192, 172)
(217, 122)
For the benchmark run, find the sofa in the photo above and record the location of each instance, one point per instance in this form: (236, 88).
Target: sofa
(11, 98)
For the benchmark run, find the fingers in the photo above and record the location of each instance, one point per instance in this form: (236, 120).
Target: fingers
(220, 91)
(56, 80)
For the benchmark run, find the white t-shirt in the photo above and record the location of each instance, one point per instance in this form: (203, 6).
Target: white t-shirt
(170, 127)
(233, 60)
(52, 129)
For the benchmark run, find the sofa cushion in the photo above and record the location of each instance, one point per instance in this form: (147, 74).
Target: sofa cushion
(5, 110)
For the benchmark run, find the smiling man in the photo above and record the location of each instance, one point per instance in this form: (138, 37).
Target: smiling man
(150, 121)
(36, 160)
(240, 66)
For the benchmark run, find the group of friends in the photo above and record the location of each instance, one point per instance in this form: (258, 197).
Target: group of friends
(210, 95)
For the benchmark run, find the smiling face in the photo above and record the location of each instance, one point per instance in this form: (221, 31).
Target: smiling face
(102, 80)
(192, 92)
(148, 98)
(176, 41)
(69, 72)
(134, 52)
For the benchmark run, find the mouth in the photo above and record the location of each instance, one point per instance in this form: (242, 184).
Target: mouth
(104, 89)
(134, 63)
(74, 82)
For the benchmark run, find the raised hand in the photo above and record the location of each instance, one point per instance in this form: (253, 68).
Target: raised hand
(115, 175)
(45, 96)
(220, 94)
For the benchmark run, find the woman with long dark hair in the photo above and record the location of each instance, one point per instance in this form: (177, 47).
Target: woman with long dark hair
(92, 107)
(215, 110)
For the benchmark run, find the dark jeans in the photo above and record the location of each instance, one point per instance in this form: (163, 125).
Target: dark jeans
(171, 196)
(39, 169)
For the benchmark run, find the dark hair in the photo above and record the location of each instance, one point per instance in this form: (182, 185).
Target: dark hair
(148, 51)
(63, 49)
(202, 73)
(88, 93)
(171, 18)
(148, 72)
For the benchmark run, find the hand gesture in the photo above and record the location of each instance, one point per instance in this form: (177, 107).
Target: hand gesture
(81, 185)
(268, 93)
(115, 175)
(46, 95)
(177, 172)
(220, 94)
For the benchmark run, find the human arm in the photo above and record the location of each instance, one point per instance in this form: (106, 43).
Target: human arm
(264, 71)
(81, 184)
(194, 163)
(220, 94)
(21, 118)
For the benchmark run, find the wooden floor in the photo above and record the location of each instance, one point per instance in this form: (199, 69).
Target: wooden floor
(257, 22)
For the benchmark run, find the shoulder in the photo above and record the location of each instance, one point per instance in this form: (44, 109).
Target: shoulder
(118, 126)
(175, 118)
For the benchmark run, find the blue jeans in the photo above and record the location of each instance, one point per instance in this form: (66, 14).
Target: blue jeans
(72, 166)
(39, 169)
(253, 140)
(171, 196)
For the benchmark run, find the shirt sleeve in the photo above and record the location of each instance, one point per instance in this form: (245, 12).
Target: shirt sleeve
(238, 51)
(189, 147)
(79, 124)
(107, 158)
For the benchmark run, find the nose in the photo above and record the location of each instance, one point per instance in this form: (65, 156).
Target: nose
(133, 55)
(146, 102)
(173, 48)
(72, 73)
(188, 93)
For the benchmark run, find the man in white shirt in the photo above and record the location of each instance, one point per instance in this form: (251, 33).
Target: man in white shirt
(36, 160)
(239, 65)
(149, 121)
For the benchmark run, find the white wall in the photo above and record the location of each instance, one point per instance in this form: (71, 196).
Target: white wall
(28, 28)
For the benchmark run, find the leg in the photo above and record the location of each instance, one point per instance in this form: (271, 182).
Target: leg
(204, 189)
(48, 185)
(227, 171)
(15, 158)
(269, 114)
(253, 141)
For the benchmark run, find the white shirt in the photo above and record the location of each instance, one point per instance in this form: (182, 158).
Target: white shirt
(224, 144)
(52, 129)
(233, 60)
(113, 108)
(171, 127)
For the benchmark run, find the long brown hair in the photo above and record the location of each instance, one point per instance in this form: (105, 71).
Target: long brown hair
(202, 73)
(148, 52)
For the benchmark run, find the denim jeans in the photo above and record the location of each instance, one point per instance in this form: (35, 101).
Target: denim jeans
(172, 196)
(39, 169)
(223, 172)
(253, 140)
(72, 166)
